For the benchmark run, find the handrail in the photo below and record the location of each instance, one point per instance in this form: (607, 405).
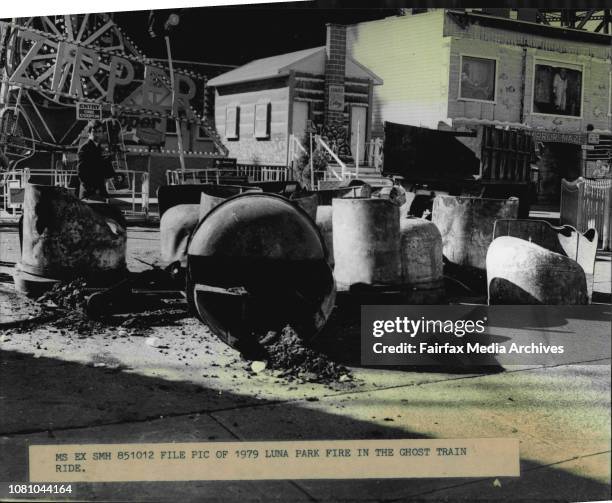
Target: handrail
(320, 141)
(293, 142)
(374, 153)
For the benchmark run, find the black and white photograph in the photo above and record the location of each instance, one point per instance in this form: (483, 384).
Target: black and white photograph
(558, 90)
(305, 251)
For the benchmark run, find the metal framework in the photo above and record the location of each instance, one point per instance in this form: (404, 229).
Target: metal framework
(49, 63)
(29, 113)
(594, 20)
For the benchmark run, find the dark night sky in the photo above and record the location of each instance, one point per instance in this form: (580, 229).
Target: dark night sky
(237, 35)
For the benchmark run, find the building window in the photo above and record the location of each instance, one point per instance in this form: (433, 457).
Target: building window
(557, 89)
(262, 121)
(170, 126)
(478, 79)
(232, 122)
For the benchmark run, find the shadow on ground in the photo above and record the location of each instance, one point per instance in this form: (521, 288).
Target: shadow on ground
(53, 401)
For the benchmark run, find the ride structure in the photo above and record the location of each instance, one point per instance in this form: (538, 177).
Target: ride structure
(57, 72)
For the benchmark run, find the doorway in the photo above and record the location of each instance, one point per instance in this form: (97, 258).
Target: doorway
(300, 119)
(359, 118)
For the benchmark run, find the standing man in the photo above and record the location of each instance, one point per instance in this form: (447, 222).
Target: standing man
(92, 166)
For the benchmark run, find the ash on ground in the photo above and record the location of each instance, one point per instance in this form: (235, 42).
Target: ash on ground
(66, 303)
(287, 353)
(66, 295)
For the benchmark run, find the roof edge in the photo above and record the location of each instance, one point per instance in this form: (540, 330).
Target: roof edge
(536, 28)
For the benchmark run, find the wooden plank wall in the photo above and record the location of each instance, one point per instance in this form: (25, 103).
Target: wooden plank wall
(311, 88)
(506, 155)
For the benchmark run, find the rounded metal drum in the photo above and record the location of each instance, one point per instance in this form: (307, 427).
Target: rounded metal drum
(64, 237)
(466, 226)
(214, 195)
(308, 201)
(521, 272)
(256, 263)
(421, 256)
(175, 227)
(365, 237)
(324, 223)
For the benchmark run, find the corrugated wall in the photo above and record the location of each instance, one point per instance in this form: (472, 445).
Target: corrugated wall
(412, 58)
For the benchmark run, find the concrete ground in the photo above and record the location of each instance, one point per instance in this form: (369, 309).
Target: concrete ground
(174, 381)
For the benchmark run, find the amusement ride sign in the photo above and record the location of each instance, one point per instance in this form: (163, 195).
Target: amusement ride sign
(73, 69)
(86, 111)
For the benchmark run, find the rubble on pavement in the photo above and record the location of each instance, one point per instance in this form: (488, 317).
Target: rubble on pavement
(287, 353)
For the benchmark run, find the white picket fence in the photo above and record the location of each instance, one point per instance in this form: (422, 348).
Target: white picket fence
(253, 172)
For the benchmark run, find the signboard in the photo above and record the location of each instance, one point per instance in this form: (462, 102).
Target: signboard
(150, 136)
(335, 101)
(143, 129)
(554, 137)
(225, 163)
(88, 111)
(597, 169)
(93, 73)
(593, 138)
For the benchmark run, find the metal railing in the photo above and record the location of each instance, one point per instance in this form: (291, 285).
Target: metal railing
(13, 182)
(252, 172)
(133, 190)
(258, 173)
(585, 204)
(295, 150)
(327, 148)
(374, 153)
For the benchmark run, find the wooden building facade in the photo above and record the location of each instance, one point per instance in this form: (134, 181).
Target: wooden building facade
(261, 105)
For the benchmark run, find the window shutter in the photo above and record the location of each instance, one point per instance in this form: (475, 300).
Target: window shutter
(232, 122)
(262, 120)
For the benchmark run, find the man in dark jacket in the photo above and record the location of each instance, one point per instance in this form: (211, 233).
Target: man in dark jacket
(93, 167)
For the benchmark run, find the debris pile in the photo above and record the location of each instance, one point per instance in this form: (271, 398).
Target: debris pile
(67, 303)
(287, 353)
(64, 295)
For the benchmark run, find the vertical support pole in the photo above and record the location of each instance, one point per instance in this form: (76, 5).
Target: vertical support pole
(145, 207)
(357, 153)
(5, 57)
(290, 159)
(311, 165)
(179, 133)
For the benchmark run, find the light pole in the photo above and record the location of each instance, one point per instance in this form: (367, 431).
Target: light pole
(179, 133)
(171, 22)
